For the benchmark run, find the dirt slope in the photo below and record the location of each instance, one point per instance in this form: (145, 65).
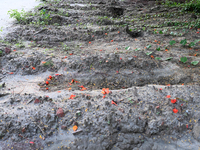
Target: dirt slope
(56, 61)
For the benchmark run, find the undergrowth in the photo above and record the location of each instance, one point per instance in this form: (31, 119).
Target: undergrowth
(19, 16)
(191, 5)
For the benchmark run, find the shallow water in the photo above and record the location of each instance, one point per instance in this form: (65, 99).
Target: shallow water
(6, 5)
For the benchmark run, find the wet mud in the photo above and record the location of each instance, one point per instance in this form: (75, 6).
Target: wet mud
(100, 75)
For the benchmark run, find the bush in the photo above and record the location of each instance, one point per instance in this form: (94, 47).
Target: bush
(19, 16)
(193, 5)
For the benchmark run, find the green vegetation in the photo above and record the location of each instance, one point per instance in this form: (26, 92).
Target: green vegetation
(183, 59)
(148, 53)
(48, 64)
(19, 45)
(183, 42)
(172, 42)
(194, 62)
(22, 17)
(1, 52)
(191, 5)
(19, 16)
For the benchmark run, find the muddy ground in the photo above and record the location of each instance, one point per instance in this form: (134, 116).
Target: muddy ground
(56, 61)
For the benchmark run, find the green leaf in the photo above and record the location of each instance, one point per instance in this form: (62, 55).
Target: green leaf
(183, 42)
(157, 58)
(127, 48)
(194, 62)
(172, 42)
(160, 32)
(1, 52)
(169, 58)
(196, 41)
(143, 28)
(148, 53)
(191, 44)
(183, 59)
(148, 46)
(137, 49)
(158, 49)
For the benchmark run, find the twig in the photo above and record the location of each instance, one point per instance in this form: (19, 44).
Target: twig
(77, 132)
(2, 77)
(29, 101)
(41, 130)
(182, 99)
(40, 31)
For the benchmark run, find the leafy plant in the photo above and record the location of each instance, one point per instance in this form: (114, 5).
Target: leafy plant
(193, 43)
(127, 48)
(172, 42)
(194, 62)
(148, 53)
(137, 49)
(157, 58)
(148, 46)
(169, 58)
(183, 59)
(14, 13)
(191, 5)
(158, 49)
(20, 45)
(1, 52)
(183, 42)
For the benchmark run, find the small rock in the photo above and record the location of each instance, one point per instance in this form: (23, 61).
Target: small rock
(75, 123)
(107, 103)
(89, 104)
(63, 127)
(37, 101)
(196, 132)
(118, 128)
(88, 97)
(7, 50)
(60, 112)
(120, 109)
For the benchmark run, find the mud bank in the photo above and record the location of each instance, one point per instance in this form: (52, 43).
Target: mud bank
(142, 118)
(57, 63)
